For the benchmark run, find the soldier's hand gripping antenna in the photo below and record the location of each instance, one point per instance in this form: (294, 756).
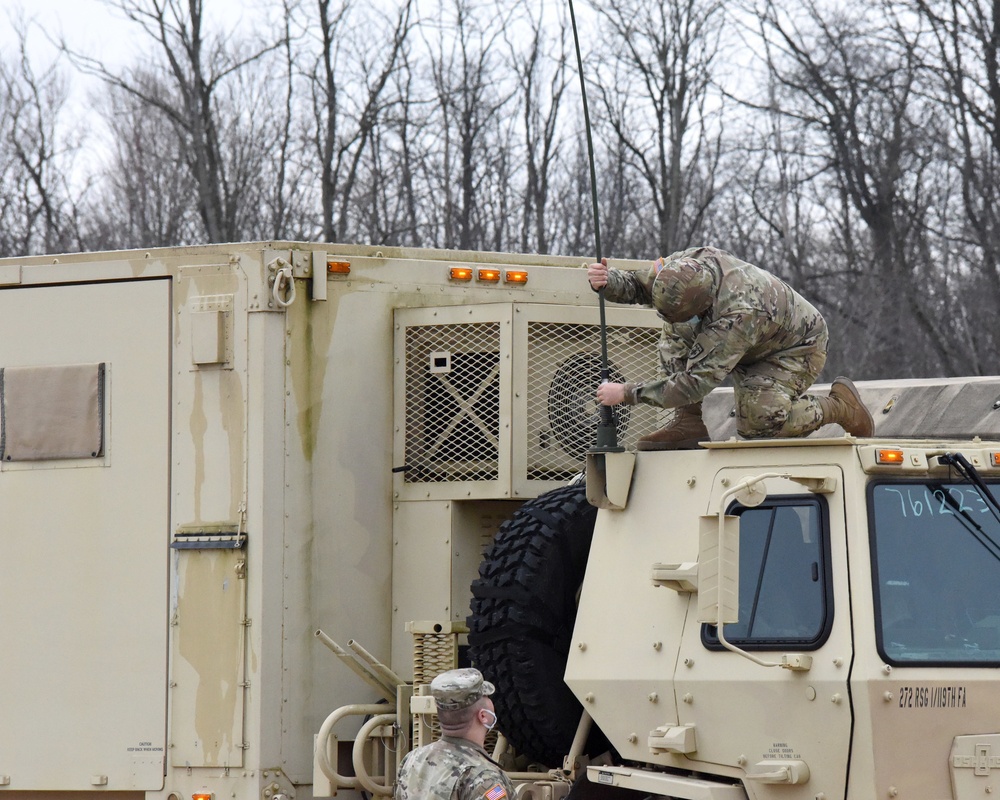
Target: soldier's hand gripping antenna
(607, 433)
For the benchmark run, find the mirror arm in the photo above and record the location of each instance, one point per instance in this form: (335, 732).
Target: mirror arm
(745, 485)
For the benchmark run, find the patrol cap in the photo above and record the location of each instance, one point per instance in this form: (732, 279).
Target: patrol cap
(460, 688)
(682, 289)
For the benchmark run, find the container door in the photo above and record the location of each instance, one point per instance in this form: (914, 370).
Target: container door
(85, 402)
(781, 726)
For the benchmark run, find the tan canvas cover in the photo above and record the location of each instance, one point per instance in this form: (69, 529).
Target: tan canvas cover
(52, 412)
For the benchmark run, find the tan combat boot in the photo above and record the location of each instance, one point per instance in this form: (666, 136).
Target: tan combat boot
(685, 430)
(844, 406)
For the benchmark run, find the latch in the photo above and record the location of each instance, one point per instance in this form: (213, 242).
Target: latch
(672, 739)
(679, 577)
(780, 771)
(281, 283)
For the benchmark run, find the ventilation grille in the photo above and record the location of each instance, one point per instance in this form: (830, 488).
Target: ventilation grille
(564, 368)
(499, 400)
(452, 402)
(433, 653)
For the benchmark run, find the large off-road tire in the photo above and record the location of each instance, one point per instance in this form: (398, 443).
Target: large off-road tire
(523, 610)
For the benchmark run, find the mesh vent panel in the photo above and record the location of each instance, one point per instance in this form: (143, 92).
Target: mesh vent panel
(454, 371)
(564, 366)
(452, 402)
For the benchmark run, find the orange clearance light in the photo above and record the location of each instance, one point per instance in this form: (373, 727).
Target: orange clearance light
(338, 267)
(461, 274)
(203, 796)
(995, 459)
(489, 275)
(515, 276)
(889, 457)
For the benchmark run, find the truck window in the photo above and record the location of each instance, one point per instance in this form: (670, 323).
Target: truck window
(785, 596)
(936, 573)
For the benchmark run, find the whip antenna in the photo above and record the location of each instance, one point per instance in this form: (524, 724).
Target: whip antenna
(607, 433)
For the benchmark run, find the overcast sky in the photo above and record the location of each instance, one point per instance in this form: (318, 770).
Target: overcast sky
(96, 28)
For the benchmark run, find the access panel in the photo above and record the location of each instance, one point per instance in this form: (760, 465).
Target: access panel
(84, 535)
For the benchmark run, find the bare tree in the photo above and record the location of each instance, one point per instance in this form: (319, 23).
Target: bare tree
(347, 107)
(148, 195)
(966, 67)
(469, 96)
(36, 156)
(185, 89)
(542, 68)
(655, 93)
(407, 205)
(854, 81)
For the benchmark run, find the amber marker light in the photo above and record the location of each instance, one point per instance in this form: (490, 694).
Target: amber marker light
(203, 796)
(515, 276)
(338, 267)
(894, 457)
(995, 459)
(461, 274)
(489, 275)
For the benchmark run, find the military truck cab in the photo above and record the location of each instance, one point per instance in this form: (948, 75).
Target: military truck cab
(857, 583)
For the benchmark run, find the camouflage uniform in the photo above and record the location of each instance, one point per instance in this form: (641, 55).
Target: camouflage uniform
(452, 769)
(757, 328)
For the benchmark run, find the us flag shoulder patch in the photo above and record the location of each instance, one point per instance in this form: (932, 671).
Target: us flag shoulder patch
(496, 793)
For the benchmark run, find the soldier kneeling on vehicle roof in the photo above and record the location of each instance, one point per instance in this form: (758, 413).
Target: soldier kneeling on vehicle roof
(724, 316)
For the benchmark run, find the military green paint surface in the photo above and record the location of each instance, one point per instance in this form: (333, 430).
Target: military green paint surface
(208, 659)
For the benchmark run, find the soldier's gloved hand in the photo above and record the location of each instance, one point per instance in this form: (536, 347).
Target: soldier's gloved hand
(597, 274)
(610, 394)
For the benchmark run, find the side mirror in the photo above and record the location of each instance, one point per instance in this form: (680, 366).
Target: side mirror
(718, 569)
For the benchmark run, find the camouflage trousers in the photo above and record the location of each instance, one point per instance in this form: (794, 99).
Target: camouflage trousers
(770, 394)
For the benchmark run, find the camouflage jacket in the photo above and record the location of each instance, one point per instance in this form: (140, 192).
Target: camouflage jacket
(452, 769)
(755, 316)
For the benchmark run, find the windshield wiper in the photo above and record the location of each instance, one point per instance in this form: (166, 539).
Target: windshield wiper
(961, 463)
(964, 519)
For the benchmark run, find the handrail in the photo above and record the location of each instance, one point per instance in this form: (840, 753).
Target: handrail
(358, 754)
(323, 740)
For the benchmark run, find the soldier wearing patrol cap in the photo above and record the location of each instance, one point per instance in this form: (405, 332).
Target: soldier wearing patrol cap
(724, 316)
(456, 767)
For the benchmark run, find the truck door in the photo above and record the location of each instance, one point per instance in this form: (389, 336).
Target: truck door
(85, 402)
(787, 726)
